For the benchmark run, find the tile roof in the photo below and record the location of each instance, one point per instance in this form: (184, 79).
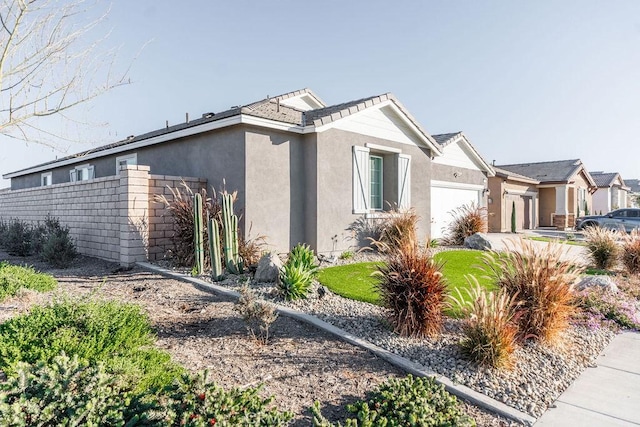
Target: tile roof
(515, 176)
(603, 179)
(556, 171)
(634, 184)
(444, 139)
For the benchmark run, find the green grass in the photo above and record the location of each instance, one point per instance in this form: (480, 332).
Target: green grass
(13, 278)
(563, 241)
(598, 272)
(116, 334)
(355, 281)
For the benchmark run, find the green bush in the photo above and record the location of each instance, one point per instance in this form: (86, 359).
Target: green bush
(295, 281)
(404, 402)
(68, 392)
(116, 334)
(13, 278)
(58, 249)
(17, 238)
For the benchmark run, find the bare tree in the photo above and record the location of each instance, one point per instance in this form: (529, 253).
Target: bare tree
(48, 65)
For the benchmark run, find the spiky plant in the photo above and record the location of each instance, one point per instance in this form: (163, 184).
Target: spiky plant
(467, 220)
(490, 326)
(295, 281)
(602, 246)
(399, 226)
(411, 285)
(631, 252)
(541, 281)
(303, 256)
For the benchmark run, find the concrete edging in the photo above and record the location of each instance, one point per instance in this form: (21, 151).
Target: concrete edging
(407, 365)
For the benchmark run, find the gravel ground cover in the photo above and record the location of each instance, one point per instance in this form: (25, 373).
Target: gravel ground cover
(203, 331)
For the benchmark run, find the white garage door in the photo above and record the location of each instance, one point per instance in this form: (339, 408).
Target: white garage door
(443, 201)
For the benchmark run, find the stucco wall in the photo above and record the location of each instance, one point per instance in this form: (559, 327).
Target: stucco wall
(503, 194)
(457, 174)
(334, 186)
(547, 205)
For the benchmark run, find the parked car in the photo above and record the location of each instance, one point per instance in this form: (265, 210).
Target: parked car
(626, 219)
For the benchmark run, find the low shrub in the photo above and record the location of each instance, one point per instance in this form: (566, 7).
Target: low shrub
(541, 282)
(258, 315)
(116, 334)
(13, 278)
(408, 401)
(490, 328)
(295, 281)
(602, 246)
(66, 392)
(411, 285)
(619, 308)
(58, 249)
(18, 238)
(631, 252)
(400, 226)
(346, 255)
(194, 401)
(251, 249)
(467, 220)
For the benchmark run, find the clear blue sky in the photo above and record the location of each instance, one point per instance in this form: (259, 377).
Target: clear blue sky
(526, 81)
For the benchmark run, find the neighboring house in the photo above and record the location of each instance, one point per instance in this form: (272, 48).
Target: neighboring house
(634, 192)
(458, 177)
(304, 171)
(611, 194)
(564, 187)
(509, 191)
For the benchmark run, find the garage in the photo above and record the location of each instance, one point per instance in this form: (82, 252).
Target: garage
(447, 197)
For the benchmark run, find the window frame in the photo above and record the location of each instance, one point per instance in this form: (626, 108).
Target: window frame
(126, 157)
(373, 157)
(73, 173)
(48, 176)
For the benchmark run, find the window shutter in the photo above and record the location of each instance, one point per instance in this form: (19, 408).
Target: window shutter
(360, 179)
(90, 171)
(404, 181)
(72, 175)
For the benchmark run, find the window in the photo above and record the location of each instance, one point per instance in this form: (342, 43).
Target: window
(46, 179)
(375, 172)
(369, 190)
(81, 173)
(129, 159)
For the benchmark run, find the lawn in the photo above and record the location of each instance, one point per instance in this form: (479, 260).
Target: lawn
(554, 240)
(355, 281)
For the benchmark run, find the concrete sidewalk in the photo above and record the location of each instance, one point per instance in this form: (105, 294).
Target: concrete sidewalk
(608, 395)
(574, 253)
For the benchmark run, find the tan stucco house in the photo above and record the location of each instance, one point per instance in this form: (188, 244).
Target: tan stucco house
(565, 188)
(611, 194)
(304, 171)
(509, 191)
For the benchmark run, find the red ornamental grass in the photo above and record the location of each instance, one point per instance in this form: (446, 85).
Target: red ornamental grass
(411, 285)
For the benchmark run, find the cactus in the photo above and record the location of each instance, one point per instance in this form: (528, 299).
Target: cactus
(230, 227)
(214, 250)
(197, 232)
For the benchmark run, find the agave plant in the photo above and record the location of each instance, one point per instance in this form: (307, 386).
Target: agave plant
(295, 281)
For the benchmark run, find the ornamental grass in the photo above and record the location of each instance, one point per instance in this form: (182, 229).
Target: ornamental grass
(630, 253)
(467, 220)
(602, 246)
(541, 282)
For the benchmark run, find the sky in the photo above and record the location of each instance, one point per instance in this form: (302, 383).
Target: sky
(525, 81)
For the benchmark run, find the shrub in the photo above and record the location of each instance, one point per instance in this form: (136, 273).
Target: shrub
(250, 249)
(116, 334)
(66, 392)
(194, 401)
(409, 401)
(541, 282)
(13, 278)
(295, 281)
(602, 246)
(399, 227)
(467, 221)
(303, 256)
(18, 238)
(618, 308)
(258, 315)
(58, 249)
(411, 285)
(346, 255)
(631, 252)
(490, 328)
(366, 230)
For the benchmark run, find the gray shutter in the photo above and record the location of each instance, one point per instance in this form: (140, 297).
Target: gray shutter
(404, 181)
(73, 176)
(360, 179)
(91, 172)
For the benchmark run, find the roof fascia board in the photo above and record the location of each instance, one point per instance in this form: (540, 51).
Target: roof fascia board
(517, 178)
(471, 150)
(435, 150)
(273, 124)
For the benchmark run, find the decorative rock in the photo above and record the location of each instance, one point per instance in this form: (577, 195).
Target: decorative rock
(477, 241)
(602, 282)
(268, 268)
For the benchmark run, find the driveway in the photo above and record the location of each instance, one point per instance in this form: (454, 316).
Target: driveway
(574, 253)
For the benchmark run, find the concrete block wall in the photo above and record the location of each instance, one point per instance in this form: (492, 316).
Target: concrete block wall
(161, 227)
(114, 218)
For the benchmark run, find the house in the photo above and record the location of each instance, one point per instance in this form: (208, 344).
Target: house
(458, 177)
(634, 192)
(564, 190)
(611, 194)
(510, 191)
(304, 172)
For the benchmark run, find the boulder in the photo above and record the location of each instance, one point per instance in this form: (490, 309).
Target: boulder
(477, 241)
(268, 268)
(604, 282)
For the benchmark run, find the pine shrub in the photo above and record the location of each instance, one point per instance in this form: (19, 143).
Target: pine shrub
(18, 238)
(542, 284)
(467, 220)
(631, 252)
(411, 285)
(602, 246)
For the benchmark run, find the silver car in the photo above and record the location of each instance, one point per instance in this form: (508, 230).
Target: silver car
(627, 219)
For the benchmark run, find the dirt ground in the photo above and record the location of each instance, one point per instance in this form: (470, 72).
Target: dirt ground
(299, 365)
